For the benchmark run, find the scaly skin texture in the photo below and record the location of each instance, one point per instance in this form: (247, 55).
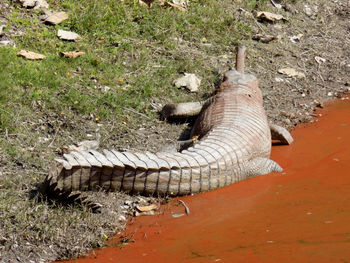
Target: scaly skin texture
(233, 142)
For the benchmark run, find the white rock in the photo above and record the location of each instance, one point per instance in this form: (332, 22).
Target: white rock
(320, 60)
(106, 88)
(122, 218)
(56, 18)
(5, 42)
(35, 3)
(307, 10)
(271, 17)
(291, 72)
(67, 35)
(1, 30)
(296, 39)
(189, 81)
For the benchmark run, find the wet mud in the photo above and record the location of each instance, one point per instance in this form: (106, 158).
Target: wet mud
(299, 215)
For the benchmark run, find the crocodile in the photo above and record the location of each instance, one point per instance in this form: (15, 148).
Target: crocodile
(231, 141)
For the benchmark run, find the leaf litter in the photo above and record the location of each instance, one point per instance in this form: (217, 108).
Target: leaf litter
(30, 55)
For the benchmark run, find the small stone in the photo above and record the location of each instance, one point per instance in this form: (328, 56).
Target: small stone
(106, 89)
(189, 81)
(330, 94)
(122, 218)
(177, 215)
(56, 18)
(296, 39)
(307, 10)
(320, 60)
(1, 30)
(287, 121)
(147, 213)
(67, 35)
(36, 4)
(5, 42)
(128, 203)
(318, 104)
(147, 208)
(291, 72)
(269, 17)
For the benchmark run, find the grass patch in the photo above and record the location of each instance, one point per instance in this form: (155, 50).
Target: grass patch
(133, 50)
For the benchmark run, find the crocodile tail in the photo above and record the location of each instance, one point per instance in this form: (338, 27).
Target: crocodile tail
(205, 166)
(134, 173)
(160, 174)
(51, 189)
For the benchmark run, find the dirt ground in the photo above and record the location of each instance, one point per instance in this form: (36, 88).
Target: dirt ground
(321, 53)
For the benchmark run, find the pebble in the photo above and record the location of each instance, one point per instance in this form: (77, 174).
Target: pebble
(122, 218)
(5, 43)
(148, 213)
(308, 10)
(287, 121)
(128, 203)
(177, 215)
(1, 30)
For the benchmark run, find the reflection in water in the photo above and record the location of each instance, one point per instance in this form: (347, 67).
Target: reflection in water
(299, 215)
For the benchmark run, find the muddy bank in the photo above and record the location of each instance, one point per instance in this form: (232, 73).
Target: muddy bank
(301, 214)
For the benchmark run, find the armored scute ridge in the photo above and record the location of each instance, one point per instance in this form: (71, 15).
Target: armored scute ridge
(233, 142)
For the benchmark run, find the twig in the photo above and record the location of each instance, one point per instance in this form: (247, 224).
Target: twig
(126, 240)
(54, 137)
(136, 112)
(187, 209)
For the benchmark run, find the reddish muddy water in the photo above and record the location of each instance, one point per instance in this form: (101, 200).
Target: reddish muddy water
(299, 215)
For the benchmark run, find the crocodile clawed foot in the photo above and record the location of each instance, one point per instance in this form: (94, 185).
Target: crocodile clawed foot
(281, 134)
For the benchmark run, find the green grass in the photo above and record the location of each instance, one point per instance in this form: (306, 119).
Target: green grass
(129, 48)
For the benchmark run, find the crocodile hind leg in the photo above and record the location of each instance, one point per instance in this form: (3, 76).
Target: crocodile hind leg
(281, 134)
(182, 110)
(261, 166)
